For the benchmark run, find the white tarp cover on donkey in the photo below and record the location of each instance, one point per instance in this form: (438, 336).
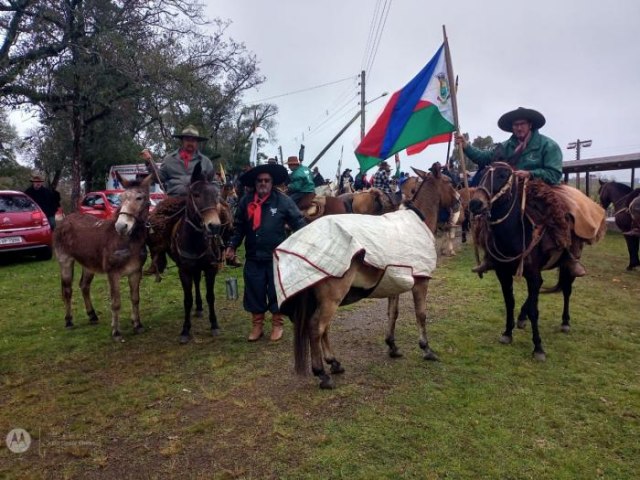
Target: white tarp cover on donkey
(398, 242)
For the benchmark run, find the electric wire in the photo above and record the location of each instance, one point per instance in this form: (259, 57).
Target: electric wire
(315, 87)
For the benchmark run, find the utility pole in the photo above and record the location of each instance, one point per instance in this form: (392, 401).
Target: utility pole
(577, 145)
(362, 104)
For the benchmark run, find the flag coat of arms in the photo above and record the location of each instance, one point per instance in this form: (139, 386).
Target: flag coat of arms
(418, 115)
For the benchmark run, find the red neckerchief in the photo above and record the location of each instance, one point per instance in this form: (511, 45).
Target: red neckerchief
(254, 209)
(186, 157)
(522, 144)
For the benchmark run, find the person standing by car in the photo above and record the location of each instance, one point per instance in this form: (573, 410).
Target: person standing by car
(260, 221)
(48, 200)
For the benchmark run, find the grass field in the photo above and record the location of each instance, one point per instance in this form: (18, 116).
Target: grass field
(223, 408)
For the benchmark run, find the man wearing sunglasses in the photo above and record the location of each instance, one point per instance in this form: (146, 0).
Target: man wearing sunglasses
(260, 221)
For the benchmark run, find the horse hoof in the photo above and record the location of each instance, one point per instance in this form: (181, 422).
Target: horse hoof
(522, 324)
(69, 325)
(184, 339)
(327, 384)
(215, 332)
(506, 339)
(117, 337)
(539, 356)
(565, 328)
(138, 329)
(431, 356)
(395, 354)
(337, 369)
(198, 313)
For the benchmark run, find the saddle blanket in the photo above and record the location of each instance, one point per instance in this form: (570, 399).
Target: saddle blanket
(398, 243)
(589, 217)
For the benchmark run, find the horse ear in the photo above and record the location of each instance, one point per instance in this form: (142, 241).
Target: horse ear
(196, 176)
(123, 181)
(601, 182)
(148, 180)
(421, 173)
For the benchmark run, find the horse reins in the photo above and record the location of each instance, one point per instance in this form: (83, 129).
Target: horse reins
(509, 186)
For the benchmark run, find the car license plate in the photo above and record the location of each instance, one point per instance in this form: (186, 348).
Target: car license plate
(10, 240)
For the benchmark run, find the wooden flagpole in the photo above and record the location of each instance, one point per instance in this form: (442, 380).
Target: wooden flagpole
(454, 105)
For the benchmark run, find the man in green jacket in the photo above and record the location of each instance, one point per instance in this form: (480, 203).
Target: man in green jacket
(530, 152)
(533, 156)
(300, 181)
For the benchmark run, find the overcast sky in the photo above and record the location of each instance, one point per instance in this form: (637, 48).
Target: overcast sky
(577, 62)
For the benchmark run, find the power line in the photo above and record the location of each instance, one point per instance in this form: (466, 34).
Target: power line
(365, 55)
(336, 112)
(385, 15)
(349, 91)
(303, 90)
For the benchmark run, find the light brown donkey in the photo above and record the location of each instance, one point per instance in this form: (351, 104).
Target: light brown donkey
(312, 308)
(115, 247)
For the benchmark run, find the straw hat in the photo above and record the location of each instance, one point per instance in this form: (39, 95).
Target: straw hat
(190, 131)
(293, 160)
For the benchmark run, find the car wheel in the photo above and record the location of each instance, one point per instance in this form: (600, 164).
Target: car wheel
(44, 254)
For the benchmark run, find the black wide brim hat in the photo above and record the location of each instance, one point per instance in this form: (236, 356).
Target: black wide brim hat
(536, 118)
(278, 174)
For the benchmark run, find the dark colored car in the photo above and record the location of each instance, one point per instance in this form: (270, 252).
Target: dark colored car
(24, 228)
(104, 203)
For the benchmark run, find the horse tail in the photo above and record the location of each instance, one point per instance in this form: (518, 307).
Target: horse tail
(302, 307)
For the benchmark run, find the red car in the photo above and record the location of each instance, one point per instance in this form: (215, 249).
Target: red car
(24, 227)
(104, 203)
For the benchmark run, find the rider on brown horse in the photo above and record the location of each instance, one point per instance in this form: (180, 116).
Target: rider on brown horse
(536, 157)
(301, 188)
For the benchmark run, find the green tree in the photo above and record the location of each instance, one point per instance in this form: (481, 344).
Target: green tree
(144, 64)
(13, 176)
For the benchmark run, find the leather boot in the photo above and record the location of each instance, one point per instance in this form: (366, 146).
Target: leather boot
(576, 269)
(257, 331)
(277, 323)
(484, 266)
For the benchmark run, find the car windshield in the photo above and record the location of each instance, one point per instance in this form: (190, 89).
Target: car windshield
(114, 199)
(16, 203)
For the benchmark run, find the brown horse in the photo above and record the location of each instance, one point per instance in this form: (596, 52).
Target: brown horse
(621, 196)
(313, 308)
(115, 247)
(447, 221)
(314, 206)
(373, 202)
(196, 247)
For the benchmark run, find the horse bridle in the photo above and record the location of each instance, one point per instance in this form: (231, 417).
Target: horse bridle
(199, 212)
(200, 229)
(493, 197)
(137, 218)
